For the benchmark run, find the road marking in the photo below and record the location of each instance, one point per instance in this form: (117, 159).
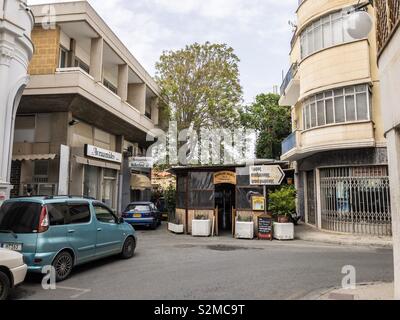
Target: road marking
(75, 296)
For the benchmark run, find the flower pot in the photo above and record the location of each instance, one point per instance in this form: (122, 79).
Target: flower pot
(176, 228)
(283, 231)
(201, 228)
(283, 219)
(244, 230)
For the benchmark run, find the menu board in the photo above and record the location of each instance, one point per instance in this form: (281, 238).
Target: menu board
(265, 227)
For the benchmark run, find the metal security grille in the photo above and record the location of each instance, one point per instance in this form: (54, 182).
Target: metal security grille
(311, 201)
(356, 200)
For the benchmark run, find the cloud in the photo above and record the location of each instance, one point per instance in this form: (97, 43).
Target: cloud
(256, 29)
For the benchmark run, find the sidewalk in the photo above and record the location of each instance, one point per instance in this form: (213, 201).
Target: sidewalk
(368, 291)
(307, 233)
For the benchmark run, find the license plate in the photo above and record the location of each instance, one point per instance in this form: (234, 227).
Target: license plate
(12, 246)
(137, 215)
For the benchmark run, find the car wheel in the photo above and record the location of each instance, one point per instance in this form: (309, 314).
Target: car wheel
(63, 265)
(154, 225)
(128, 250)
(4, 286)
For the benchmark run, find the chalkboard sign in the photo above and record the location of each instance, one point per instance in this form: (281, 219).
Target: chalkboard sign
(265, 227)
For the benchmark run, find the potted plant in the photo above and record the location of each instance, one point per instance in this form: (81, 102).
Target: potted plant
(244, 228)
(201, 225)
(282, 203)
(174, 223)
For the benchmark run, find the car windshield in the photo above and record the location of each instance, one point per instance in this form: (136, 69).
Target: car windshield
(20, 217)
(138, 207)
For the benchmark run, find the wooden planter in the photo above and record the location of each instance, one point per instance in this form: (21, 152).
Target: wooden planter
(283, 231)
(176, 228)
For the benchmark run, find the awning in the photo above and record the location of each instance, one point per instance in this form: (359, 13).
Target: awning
(33, 157)
(140, 182)
(95, 163)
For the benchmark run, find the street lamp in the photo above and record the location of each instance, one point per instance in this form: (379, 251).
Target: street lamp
(359, 23)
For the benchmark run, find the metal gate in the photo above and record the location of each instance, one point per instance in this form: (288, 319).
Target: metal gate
(356, 200)
(311, 200)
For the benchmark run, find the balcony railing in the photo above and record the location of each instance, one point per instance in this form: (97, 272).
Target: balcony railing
(289, 143)
(388, 19)
(289, 76)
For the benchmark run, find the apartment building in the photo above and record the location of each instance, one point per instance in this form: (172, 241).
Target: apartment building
(88, 108)
(337, 146)
(388, 40)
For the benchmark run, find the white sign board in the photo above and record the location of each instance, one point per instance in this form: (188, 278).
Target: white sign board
(266, 175)
(103, 154)
(141, 163)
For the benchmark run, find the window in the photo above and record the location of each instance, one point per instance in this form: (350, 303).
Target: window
(58, 214)
(79, 213)
(324, 33)
(41, 171)
(25, 129)
(20, 217)
(91, 182)
(138, 208)
(63, 58)
(104, 215)
(80, 64)
(110, 86)
(342, 105)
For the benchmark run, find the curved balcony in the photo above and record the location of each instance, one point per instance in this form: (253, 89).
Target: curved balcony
(341, 65)
(290, 88)
(308, 10)
(302, 144)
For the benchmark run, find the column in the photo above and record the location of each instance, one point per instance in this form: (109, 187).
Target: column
(393, 144)
(123, 76)
(137, 96)
(155, 111)
(96, 59)
(71, 54)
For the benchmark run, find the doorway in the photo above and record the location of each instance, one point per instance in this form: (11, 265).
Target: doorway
(225, 202)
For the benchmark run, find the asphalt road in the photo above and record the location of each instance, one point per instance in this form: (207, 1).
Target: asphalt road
(168, 266)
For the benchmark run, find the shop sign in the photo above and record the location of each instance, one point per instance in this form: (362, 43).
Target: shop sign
(258, 203)
(141, 163)
(266, 175)
(223, 177)
(103, 154)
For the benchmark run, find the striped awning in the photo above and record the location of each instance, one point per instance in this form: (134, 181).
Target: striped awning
(33, 157)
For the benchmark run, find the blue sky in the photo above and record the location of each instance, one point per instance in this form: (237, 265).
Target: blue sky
(258, 30)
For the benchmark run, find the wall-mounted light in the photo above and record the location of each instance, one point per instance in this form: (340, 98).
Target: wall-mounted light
(74, 122)
(359, 23)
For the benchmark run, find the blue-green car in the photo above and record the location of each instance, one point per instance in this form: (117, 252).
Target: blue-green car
(63, 232)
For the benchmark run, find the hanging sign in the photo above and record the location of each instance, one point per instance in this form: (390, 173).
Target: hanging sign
(227, 177)
(266, 175)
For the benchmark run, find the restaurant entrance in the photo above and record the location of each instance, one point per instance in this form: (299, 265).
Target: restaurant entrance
(225, 203)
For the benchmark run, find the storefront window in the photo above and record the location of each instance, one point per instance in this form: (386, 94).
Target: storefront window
(91, 182)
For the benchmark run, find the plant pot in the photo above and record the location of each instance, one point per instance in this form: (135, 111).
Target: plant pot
(201, 228)
(283, 231)
(244, 230)
(283, 219)
(176, 228)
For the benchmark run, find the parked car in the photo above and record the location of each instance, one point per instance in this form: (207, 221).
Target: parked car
(63, 232)
(161, 206)
(142, 214)
(12, 271)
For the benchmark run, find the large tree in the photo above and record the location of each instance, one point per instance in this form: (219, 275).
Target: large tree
(272, 122)
(201, 84)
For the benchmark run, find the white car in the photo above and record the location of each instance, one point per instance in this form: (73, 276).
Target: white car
(12, 271)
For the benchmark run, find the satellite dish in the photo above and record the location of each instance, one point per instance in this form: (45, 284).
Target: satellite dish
(358, 24)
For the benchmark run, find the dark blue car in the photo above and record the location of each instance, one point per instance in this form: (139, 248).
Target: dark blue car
(142, 214)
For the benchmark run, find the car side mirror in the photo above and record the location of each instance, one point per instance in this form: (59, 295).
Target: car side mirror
(121, 220)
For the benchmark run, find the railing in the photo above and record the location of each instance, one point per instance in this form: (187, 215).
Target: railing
(289, 76)
(289, 143)
(388, 18)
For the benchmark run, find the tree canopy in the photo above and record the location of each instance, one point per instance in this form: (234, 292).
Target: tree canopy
(272, 122)
(201, 84)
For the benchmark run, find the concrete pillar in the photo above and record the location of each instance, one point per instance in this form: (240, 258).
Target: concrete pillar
(71, 54)
(15, 53)
(393, 144)
(120, 149)
(155, 111)
(137, 96)
(96, 59)
(123, 76)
